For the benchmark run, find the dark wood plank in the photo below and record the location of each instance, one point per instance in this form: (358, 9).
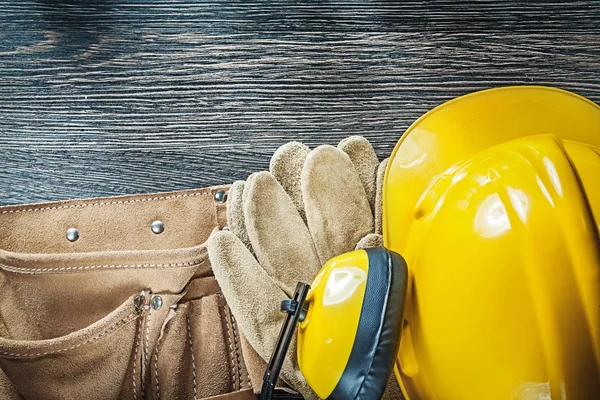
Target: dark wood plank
(114, 97)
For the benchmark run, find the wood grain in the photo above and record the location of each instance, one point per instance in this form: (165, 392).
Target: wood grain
(115, 97)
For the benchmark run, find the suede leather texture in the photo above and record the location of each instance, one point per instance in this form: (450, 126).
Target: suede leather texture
(286, 166)
(285, 224)
(70, 327)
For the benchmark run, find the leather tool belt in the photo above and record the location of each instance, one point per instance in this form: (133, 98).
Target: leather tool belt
(114, 298)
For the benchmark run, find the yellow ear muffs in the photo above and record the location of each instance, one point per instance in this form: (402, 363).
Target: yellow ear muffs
(349, 325)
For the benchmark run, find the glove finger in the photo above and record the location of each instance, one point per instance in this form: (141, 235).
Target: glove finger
(235, 212)
(280, 239)
(240, 276)
(254, 363)
(254, 300)
(338, 213)
(365, 161)
(286, 167)
(370, 241)
(379, 196)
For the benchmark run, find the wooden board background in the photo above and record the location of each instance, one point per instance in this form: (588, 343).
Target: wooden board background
(111, 97)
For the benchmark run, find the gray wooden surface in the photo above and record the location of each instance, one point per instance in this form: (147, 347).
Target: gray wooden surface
(112, 97)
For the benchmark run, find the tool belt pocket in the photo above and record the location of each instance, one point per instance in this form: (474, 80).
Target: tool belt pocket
(85, 326)
(104, 327)
(198, 353)
(77, 364)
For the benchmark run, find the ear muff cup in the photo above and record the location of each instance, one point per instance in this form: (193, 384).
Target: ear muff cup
(375, 347)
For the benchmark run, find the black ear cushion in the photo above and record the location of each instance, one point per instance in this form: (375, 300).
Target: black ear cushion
(373, 354)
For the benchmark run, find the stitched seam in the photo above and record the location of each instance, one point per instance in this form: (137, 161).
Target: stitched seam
(137, 344)
(189, 331)
(239, 355)
(93, 339)
(28, 270)
(230, 346)
(237, 348)
(156, 369)
(104, 203)
(146, 364)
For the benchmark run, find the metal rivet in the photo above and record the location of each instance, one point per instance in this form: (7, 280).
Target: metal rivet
(220, 196)
(156, 303)
(158, 227)
(139, 301)
(72, 234)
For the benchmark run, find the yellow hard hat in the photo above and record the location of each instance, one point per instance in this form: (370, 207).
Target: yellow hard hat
(492, 201)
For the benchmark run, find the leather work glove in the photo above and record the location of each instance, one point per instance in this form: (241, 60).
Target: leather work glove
(283, 226)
